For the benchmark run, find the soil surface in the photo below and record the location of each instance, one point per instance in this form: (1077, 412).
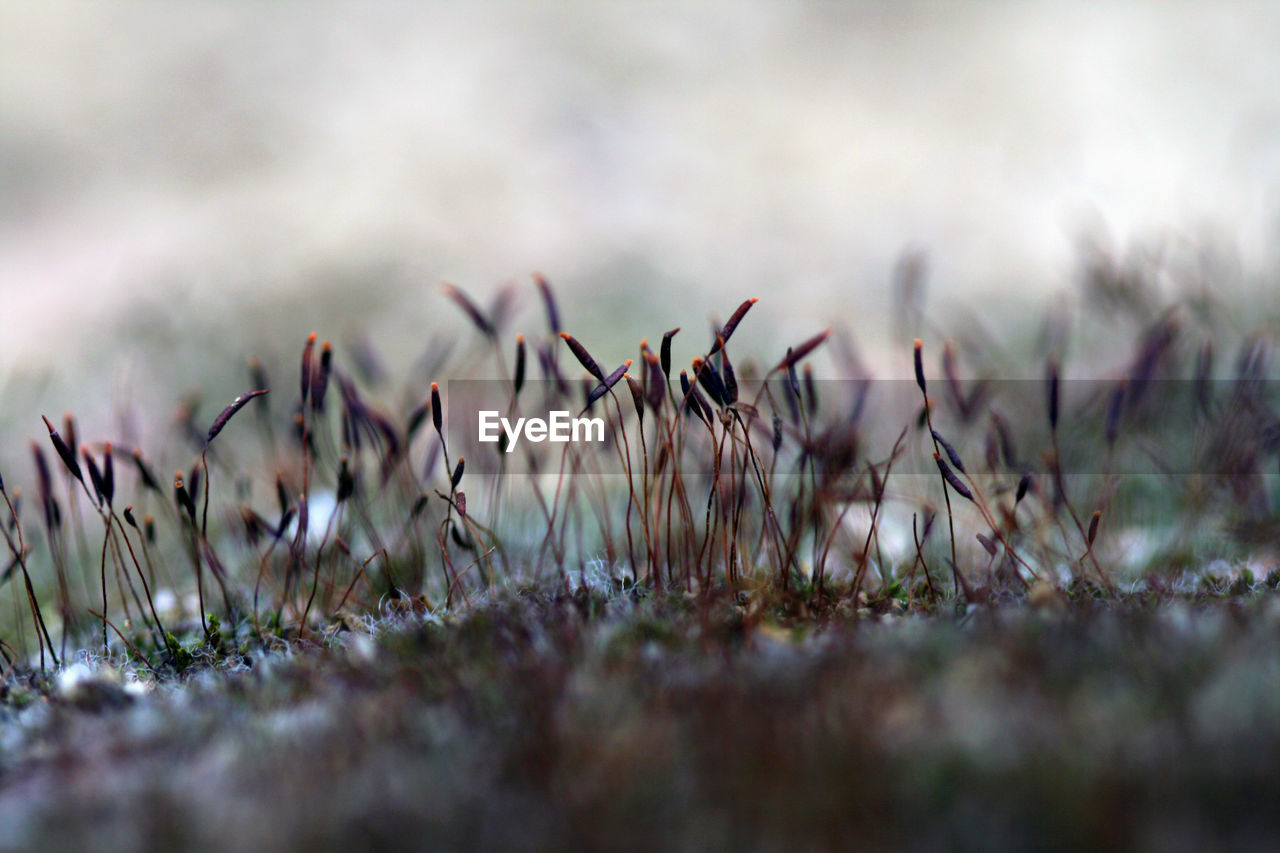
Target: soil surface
(630, 721)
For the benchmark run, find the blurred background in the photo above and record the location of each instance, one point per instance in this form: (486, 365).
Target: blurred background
(183, 184)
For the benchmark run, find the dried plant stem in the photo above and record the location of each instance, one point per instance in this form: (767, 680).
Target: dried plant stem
(920, 560)
(20, 553)
(875, 514)
(1061, 486)
(164, 635)
(130, 646)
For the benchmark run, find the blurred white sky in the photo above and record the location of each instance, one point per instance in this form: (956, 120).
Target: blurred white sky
(219, 159)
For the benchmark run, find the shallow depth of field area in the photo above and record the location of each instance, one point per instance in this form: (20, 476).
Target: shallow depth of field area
(918, 364)
(767, 611)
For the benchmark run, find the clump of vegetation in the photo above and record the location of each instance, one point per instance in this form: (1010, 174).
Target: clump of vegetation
(582, 614)
(729, 475)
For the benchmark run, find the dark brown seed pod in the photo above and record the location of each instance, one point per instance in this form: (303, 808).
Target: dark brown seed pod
(95, 476)
(1024, 483)
(729, 378)
(460, 501)
(128, 517)
(518, 381)
(694, 400)
(795, 354)
(437, 411)
(108, 473)
(656, 391)
(709, 380)
(584, 358)
(1157, 342)
(1114, 410)
(609, 381)
(1093, 526)
(282, 494)
(987, 544)
(236, 405)
(727, 330)
(810, 391)
(704, 407)
(346, 482)
(182, 497)
(793, 379)
(149, 529)
(64, 453)
(144, 472)
(285, 520)
(860, 403)
(918, 359)
(416, 418)
(777, 432)
(950, 477)
(637, 396)
(929, 518)
(549, 300)
(664, 352)
(69, 432)
(419, 505)
(307, 354)
(464, 544)
(350, 429)
(951, 451)
(1051, 392)
(685, 388)
(350, 396)
(321, 383)
(616, 376)
(469, 308)
(253, 525)
(457, 472)
(791, 388)
(193, 479)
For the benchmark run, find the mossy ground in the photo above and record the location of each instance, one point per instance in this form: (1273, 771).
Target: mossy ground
(632, 720)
